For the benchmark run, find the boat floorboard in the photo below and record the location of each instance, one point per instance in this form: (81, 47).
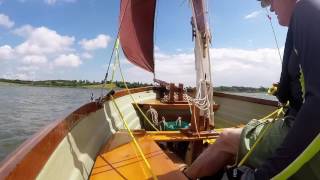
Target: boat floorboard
(119, 159)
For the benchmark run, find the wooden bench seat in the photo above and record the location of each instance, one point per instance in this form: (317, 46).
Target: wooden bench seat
(119, 159)
(179, 105)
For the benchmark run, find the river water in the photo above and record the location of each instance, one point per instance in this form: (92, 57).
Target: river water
(24, 110)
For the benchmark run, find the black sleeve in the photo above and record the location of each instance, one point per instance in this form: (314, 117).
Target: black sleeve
(306, 29)
(283, 88)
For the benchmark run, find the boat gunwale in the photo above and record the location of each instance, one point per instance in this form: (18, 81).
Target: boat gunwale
(38, 148)
(31, 156)
(247, 99)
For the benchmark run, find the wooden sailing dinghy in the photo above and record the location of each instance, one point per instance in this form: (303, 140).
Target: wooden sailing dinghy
(95, 142)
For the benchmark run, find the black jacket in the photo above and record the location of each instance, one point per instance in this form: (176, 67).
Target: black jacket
(301, 56)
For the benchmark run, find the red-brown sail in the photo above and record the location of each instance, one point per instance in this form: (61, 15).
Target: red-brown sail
(199, 9)
(136, 32)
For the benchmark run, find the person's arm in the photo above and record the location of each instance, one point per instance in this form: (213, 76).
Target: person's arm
(283, 91)
(306, 27)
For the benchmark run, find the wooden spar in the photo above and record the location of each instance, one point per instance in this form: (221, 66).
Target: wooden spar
(171, 93)
(195, 119)
(180, 92)
(202, 57)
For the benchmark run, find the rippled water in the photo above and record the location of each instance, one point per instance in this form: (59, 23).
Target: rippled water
(24, 110)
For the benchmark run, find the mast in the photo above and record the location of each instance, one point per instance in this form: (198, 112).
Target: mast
(202, 39)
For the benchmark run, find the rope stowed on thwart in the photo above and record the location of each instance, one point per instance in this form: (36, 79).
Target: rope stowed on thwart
(134, 139)
(154, 115)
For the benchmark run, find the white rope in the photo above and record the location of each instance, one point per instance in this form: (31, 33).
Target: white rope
(200, 101)
(163, 121)
(179, 122)
(154, 115)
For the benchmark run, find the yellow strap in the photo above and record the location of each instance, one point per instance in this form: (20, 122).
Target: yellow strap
(311, 151)
(117, 62)
(133, 99)
(134, 139)
(116, 57)
(277, 113)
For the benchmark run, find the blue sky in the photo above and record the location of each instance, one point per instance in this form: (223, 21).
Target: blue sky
(72, 39)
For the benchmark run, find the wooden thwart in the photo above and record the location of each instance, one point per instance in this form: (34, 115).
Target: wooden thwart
(121, 161)
(122, 137)
(174, 136)
(178, 105)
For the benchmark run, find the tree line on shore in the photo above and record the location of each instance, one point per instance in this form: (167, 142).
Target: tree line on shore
(119, 84)
(73, 83)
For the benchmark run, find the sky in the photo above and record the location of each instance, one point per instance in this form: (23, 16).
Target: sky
(73, 40)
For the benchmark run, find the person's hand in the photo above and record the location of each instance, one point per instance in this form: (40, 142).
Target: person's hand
(273, 89)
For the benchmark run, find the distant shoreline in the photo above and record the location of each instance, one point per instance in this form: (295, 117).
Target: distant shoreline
(85, 84)
(71, 84)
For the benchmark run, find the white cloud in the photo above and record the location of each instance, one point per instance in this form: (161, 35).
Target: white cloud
(27, 68)
(70, 60)
(35, 60)
(252, 15)
(42, 40)
(5, 21)
(258, 67)
(24, 31)
(19, 75)
(44, 51)
(86, 55)
(101, 41)
(52, 2)
(156, 48)
(174, 68)
(6, 52)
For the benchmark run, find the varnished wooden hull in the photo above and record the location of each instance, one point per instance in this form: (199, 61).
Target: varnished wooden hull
(67, 149)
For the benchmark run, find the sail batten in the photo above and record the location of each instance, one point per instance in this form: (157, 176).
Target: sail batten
(136, 32)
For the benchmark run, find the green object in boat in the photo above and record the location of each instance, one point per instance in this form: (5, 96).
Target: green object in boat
(174, 125)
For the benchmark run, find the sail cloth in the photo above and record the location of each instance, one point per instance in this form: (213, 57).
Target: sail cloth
(199, 9)
(136, 31)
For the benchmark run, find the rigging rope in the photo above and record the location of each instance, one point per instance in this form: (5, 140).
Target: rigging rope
(202, 102)
(276, 114)
(274, 33)
(117, 62)
(154, 115)
(113, 49)
(133, 99)
(134, 139)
